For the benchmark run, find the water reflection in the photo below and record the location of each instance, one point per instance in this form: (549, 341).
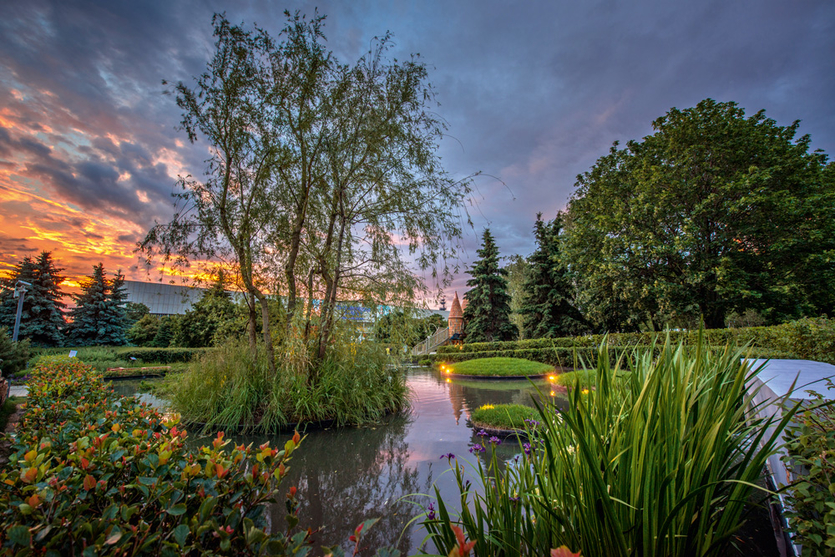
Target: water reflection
(348, 475)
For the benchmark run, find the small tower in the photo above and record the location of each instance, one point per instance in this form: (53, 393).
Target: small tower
(456, 319)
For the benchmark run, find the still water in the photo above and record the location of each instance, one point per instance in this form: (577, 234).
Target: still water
(345, 476)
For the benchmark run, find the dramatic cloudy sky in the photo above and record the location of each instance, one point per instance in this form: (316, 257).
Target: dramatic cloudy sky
(534, 92)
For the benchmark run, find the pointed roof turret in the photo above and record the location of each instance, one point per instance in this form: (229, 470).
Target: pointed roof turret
(455, 311)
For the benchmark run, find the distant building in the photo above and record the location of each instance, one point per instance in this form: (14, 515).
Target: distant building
(163, 299)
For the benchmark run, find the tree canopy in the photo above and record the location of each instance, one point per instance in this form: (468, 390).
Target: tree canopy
(98, 317)
(321, 175)
(714, 212)
(42, 319)
(487, 314)
(548, 308)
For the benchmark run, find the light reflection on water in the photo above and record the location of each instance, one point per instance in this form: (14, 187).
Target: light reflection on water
(345, 476)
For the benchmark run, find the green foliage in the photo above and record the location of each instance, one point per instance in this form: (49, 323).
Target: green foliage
(499, 367)
(165, 332)
(487, 315)
(42, 319)
(805, 339)
(713, 213)
(135, 311)
(321, 162)
(143, 332)
(810, 442)
(98, 317)
(8, 408)
(400, 327)
(548, 308)
(656, 462)
(518, 271)
(583, 378)
(503, 416)
(96, 471)
(103, 357)
(13, 355)
(198, 327)
(229, 387)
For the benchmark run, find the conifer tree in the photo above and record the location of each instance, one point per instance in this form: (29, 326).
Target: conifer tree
(487, 315)
(548, 309)
(98, 318)
(42, 319)
(165, 333)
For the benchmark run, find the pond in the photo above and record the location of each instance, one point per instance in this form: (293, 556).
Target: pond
(345, 476)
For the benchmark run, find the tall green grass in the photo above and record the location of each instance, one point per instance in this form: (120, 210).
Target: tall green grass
(655, 462)
(229, 387)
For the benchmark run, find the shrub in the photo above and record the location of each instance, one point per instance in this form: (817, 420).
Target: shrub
(13, 355)
(657, 462)
(808, 339)
(811, 496)
(105, 475)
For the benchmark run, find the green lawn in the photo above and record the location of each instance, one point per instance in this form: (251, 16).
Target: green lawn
(570, 378)
(503, 416)
(497, 367)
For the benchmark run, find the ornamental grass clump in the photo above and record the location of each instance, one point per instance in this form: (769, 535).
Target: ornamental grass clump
(230, 387)
(93, 473)
(659, 461)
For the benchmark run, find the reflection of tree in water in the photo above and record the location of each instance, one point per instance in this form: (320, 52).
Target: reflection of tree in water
(347, 476)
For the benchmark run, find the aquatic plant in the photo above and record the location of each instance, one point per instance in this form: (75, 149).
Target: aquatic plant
(657, 462)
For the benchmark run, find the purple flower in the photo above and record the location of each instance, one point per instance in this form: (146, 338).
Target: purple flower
(532, 423)
(477, 448)
(527, 448)
(448, 456)
(431, 514)
(482, 433)
(495, 440)
(514, 499)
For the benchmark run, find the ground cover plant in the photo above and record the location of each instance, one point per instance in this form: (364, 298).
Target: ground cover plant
(497, 367)
(656, 462)
(503, 416)
(93, 473)
(811, 496)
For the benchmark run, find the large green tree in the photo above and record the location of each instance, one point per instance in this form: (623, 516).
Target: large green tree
(42, 319)
(714, 212)
(321, 175)
(99, 316)
(548, 308)
(487, 314)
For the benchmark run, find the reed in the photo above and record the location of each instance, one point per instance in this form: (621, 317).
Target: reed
(229, 387)
(658, 461)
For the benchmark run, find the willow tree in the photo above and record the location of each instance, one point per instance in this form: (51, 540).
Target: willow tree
(322, 174)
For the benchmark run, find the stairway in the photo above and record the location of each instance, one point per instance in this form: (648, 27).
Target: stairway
(432, 342)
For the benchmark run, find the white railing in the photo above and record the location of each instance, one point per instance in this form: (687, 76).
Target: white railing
(432, 342)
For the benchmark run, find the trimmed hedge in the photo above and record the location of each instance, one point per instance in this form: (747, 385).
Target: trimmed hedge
(574, 357)
(807, 339)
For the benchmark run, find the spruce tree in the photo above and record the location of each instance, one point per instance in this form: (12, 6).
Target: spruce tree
(487, 315)
(98, 318)
(548, 309)
(42, 319)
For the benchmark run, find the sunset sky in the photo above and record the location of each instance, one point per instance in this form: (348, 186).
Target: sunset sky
(533, 92)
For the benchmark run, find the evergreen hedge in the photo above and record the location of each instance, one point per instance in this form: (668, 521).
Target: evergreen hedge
(806, 339)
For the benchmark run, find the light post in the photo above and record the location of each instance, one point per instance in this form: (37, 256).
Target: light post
(19, 293)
